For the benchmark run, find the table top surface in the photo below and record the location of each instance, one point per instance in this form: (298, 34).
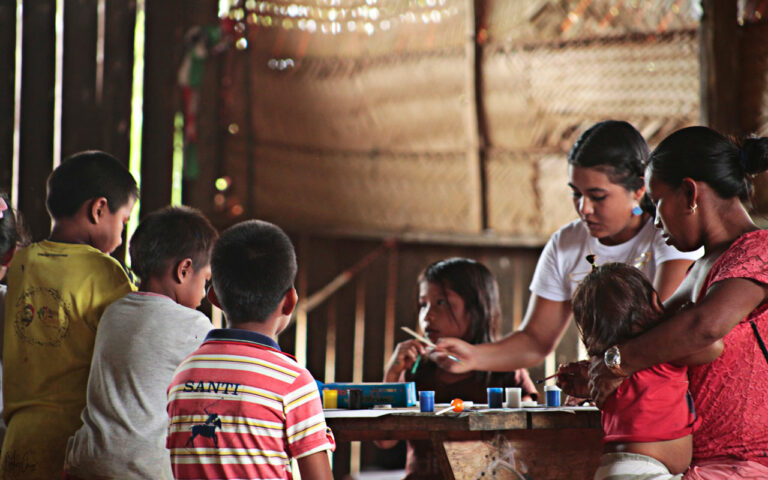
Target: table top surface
(398, 422)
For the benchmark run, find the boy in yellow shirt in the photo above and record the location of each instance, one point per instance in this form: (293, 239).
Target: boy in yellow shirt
(57, 291)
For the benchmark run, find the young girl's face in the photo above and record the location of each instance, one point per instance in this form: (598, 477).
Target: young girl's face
(442, 312)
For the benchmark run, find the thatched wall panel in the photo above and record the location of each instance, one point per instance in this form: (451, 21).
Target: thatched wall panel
(531, 94)
(303, 189)
(548, 21)
(409, 103)
(512, 199)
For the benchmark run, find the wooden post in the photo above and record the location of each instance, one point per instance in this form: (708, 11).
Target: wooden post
(330, 342)
(36, 123)
(7, 91)
(300, 351)
(719, 66)
(390, 307)
(477, 210)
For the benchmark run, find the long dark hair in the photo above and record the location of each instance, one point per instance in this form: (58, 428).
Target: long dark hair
(617, 149)
(707, 156)
(475, 284)
(614, 303)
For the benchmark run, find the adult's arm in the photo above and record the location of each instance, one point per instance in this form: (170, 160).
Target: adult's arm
(688, 332)
(543, 326)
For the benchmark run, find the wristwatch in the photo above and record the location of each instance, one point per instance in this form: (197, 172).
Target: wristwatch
(612, 359)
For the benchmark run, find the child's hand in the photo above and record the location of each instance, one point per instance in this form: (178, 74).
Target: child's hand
(402, 358)
(573, 378)
(457, 348)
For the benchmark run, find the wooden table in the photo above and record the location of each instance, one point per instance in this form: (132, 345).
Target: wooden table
(519, 444)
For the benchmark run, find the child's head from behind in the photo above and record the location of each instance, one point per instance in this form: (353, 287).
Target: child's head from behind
(175, 243)
(614, 303)
(254, 267)
(98, 185)
(459, 297)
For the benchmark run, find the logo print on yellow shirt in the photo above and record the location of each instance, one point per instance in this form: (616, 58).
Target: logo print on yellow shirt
(42, 316)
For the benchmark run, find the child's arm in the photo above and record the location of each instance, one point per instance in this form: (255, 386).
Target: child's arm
(404, 356)
(315, 466)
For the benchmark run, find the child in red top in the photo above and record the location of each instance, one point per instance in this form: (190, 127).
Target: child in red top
(458, 297)
(649, 421)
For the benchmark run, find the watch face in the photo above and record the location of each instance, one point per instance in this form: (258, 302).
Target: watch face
(612, 357)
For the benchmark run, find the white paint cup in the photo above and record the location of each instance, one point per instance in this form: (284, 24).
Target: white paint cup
(514, 394)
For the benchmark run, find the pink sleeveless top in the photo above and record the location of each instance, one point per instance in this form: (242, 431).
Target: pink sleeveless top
(731, 393)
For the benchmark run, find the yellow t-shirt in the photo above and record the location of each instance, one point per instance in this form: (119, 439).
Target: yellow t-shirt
(56, 295)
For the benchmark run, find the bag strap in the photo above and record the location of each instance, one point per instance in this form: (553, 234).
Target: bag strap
(759, 339)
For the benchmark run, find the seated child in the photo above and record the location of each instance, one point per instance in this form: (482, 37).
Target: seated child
(458, 297)
(57, 290)
(12, 235)
(239, 407)
(649, 421)
(141, 340)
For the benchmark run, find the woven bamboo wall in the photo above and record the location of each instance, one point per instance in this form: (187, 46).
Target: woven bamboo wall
(377, 118)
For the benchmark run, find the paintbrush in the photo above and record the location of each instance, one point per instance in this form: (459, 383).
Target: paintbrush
(552, 376)
(428, 342)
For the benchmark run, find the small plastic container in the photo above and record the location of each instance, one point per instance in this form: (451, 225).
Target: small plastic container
(355, 398)
(495, 395)
(427, 401)
(330, 398)
(553, 395)
(514, 396)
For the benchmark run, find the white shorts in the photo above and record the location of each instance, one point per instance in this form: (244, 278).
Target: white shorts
(632, 466)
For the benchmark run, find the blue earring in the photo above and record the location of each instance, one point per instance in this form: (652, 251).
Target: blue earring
(636, 210)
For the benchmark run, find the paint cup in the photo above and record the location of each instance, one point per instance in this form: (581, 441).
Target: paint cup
(330, 398)
(355, 399)
(427, 401)
(495, 395)
(514, 396)
(553, 395)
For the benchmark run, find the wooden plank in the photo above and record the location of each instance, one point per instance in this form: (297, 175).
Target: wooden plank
(115, 99)
(719, 66)
(7, 90)
(359, 342)
(36, 122)
(80, 126)
(162, 54)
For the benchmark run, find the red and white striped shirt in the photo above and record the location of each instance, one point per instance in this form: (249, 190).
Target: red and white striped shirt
(241, 408)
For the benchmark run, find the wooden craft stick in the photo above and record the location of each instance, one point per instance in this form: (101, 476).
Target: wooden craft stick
(428, 342)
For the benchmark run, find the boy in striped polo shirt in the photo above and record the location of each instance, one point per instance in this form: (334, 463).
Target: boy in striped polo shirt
(238, 406)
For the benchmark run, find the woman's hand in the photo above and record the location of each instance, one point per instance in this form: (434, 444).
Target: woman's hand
(573, 379)
(459, 349)
(402, 358)
(602, 381)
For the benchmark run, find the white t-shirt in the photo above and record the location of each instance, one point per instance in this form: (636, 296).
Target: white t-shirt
(563, 263)
(140, 341)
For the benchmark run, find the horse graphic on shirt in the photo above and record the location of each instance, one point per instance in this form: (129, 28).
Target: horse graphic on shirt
(207, 429)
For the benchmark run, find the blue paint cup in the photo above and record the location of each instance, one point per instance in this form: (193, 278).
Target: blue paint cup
(553, 395)
(427, 401)
(495, 397)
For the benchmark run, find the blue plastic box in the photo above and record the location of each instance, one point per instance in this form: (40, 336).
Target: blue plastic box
(400, 394)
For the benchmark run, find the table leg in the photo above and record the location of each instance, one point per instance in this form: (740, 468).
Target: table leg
(524, 455)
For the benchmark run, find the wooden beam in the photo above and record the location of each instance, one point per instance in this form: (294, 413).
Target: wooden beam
(7, 91)
(477, 210)
(80, 127)
(719, 66)
(36, 123)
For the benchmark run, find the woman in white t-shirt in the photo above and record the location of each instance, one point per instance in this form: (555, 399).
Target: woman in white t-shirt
(606, 166)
